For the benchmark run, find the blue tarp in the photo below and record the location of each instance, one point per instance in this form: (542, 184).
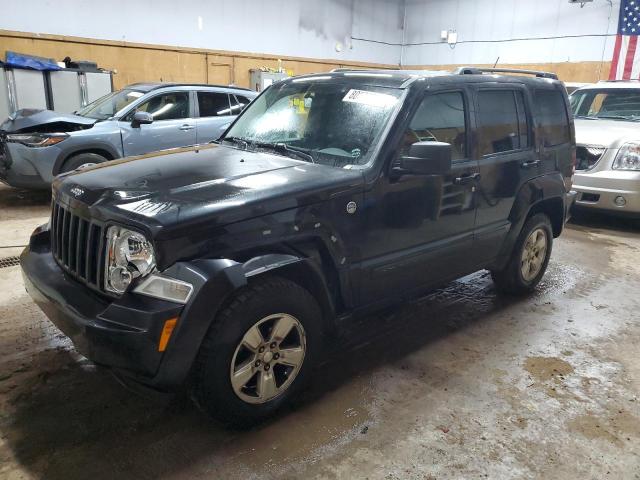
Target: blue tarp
(21, 60)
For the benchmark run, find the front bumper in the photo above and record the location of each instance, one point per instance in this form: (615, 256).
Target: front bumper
(599, 190)
(123, 334)
(26, 167)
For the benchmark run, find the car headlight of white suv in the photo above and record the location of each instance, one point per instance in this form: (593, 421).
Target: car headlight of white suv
(628, 157)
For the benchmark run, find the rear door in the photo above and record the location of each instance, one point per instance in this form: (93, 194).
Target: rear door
(173, 124)
(214, 114)
(506, 157)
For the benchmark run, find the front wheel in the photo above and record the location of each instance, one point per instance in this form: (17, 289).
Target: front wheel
(258, 353)
(529, 258)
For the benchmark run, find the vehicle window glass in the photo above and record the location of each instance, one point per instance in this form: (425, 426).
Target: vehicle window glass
(335, 123)
(167, 106)
(213, 104)
(440, 118)
(498, 125)
(107, 106)
(552, 117)
(523, 126)
(613, 104)
(238, 102)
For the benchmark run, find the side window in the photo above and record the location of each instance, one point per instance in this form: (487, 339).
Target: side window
(440, 118)
(551, 112)
(167, 106)
(502, 121)
(213, 104)
(238, 102)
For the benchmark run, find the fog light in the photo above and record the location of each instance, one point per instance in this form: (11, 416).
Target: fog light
(620, 201)
(119, 278)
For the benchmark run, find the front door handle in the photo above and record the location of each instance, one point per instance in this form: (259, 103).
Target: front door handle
(466, 179)
(531, 164)
(186, 126)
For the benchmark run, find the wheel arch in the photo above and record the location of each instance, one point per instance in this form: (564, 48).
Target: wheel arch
(305, 271)
(102, 149)
(544, 194)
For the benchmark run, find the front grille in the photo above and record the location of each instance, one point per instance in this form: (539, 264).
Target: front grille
(587, 157)
(77, 245)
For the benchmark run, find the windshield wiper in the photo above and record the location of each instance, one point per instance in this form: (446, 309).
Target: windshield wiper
(617, 117)
(236, 140)
(284, 148)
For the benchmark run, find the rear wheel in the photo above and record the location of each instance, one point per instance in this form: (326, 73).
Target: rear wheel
(529, 258)
(258, 353)
(82, 160)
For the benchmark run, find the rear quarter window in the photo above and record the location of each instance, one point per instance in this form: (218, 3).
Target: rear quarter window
(551, 113)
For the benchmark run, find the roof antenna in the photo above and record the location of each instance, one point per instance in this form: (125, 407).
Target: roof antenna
(497, 59)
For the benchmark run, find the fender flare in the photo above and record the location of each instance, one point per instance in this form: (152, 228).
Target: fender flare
(301, 270)
(530, 196)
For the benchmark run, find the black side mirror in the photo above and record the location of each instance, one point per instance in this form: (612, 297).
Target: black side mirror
(141, 118)
(426, 158)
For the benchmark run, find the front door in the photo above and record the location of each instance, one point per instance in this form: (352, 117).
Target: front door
(420, 227)
(173, 125)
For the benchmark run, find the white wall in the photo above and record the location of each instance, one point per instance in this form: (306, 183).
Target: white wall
(480, 21)
(305, 28)
(311, 28)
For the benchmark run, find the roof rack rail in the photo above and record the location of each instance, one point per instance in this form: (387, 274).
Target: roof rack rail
(480, 71)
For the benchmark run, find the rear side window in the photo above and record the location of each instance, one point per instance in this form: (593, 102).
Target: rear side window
(440, 118)
(552, 117)
(213, 104)
(502, 122)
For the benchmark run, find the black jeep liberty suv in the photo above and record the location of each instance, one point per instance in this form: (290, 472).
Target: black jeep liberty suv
(223, 266)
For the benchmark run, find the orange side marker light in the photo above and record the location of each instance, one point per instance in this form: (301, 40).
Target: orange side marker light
(167, 330)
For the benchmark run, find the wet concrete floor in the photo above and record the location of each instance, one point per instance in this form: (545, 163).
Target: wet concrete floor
(460, 384)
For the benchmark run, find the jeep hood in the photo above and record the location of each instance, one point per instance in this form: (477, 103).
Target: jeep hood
(175, 192)
(44, 121)
(606, 133)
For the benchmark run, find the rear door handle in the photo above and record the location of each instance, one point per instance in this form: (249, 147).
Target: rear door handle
(466, 179)
(531, 164)
(187, 127)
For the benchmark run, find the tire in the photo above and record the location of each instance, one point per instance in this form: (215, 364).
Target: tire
(521, 275)
(81, 160)
(225, 352)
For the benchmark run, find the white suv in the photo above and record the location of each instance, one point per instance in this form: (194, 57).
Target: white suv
(607, 122)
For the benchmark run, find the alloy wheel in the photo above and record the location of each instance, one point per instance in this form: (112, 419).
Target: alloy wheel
(533, 254)
(268, 358)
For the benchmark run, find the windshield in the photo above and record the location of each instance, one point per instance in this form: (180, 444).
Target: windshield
(107, 106)
(613, 103)
(320, 121)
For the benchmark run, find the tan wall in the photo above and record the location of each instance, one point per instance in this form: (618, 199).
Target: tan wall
(141, 62)
(567, 71)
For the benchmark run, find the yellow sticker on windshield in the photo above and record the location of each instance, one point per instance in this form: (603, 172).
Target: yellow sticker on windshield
(372, 99)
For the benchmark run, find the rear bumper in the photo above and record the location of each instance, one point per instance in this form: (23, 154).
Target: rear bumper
(123, 333)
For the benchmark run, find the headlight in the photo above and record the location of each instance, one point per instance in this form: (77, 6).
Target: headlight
(628, 157)
(37, 139)
(129, 255)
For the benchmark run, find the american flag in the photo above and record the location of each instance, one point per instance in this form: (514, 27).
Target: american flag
(626, 57)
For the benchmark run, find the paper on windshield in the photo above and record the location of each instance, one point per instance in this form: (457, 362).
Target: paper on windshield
(372, 99)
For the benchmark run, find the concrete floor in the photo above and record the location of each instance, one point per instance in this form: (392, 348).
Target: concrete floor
(460, 384)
